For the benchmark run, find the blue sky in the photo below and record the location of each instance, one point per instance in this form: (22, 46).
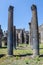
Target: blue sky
(22, 12)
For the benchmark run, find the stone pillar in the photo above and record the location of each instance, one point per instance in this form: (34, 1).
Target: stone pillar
(29, 33)
(10, 31)
(35, 31)
(4, 38)
(27, 38)
(0, 26)
(24, 37)
(0, 37)
(21, 36)
(1, 34)
(14, 37)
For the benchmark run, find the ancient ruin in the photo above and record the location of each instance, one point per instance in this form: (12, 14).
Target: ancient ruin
(10, 30)
(14, 37)
(35, 31)
(1, 34)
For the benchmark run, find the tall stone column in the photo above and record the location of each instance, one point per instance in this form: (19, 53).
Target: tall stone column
(35, 31)
(14, 37)
(32, 33)
(17, 40)
(29, 33)
(0, 37)
(25, 37)
(1, 34)
(21, 36)
(10, 30)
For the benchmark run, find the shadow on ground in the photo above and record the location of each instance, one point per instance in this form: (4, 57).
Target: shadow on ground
(3, 47)
(41, 55)
(1, 55)
(41, 48)
(23, 55)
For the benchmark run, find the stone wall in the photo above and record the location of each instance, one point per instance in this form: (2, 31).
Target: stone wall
(41, 33)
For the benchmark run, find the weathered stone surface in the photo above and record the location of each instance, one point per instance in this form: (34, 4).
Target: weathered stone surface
(30, 33)
(25, 37)
(4, 38)
(41, 33)
(35, 32)
(10, 30)
(1, 34)
(17, 38)
(20, 35)
(14, 37)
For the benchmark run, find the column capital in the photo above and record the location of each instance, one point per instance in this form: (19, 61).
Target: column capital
(33, 7)
(0, 26)
(29, 23)
(10, 8)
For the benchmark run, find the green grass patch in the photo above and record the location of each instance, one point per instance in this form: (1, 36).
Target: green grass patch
(21, 56)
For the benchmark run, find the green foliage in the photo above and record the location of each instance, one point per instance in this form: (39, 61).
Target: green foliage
(17, 57)
(26, 60)
(37, 58)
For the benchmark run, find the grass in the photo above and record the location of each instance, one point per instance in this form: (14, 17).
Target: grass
(21, 56)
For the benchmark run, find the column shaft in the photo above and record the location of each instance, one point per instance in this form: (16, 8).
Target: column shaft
(10, 31)
(35, 31)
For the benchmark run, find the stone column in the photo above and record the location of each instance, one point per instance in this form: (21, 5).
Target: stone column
(0, 26)
(1, 34)
(10, 30)
(35, 31)
(0, 37)
(17, 40)
(25, 37)
(21, 36)
(14, 37)
(4, 39)
(32, 33)
(29, 33)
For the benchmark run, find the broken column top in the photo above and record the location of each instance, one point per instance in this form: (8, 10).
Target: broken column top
(10, 7)
(14, 26)
(33, 7)
(0, 26)
(29, 23)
